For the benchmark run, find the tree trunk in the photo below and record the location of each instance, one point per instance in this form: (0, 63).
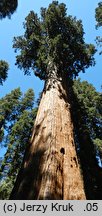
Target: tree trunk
(50, 169)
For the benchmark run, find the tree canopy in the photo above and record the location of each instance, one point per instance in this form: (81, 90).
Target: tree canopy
(91, 100)
(17, 114)
(87, 120)
(3, 71)
(91, 111)
(98, 16)
(53, 39)
(7, 8)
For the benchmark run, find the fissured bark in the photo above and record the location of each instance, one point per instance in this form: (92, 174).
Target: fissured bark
(50, 169)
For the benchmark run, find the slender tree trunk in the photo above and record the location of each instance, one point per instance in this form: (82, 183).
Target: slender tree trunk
(50, 169)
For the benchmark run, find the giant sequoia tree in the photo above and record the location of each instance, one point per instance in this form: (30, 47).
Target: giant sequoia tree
(17, 116)
(53, 47)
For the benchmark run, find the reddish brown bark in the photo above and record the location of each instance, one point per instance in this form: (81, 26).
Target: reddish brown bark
(51, 169)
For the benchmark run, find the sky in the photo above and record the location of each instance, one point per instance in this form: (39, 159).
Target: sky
(84, 10)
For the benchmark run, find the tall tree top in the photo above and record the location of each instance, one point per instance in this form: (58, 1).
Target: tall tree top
(53, 40)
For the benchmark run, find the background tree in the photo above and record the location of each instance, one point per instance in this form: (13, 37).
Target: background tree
(90, 101)
(17, 114)
(53, 47)
(7, 8)
(87, 118)
(98, 16)
(3, 71)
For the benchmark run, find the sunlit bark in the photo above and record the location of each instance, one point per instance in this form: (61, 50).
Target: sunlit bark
(50, 168)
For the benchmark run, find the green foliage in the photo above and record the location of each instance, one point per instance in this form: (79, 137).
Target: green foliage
(7, 8)
(8, 106)
(53, 38)
(98, 16)
(17, 114)
(87, 120)
(91, 112)
(3, 71)
(6, 188)
(3, 64)
(98, 145)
